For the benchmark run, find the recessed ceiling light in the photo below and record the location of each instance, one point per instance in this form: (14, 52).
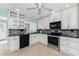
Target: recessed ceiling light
(17, 9)
(53, 11)
(67, 5)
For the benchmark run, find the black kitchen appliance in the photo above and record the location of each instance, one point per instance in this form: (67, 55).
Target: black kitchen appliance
(53, 40)
(53, 36)
(55, 25)
(24, 40)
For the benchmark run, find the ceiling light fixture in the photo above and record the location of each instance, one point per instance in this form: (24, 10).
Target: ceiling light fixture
(17, 9)
(53, 11)
(67, 5)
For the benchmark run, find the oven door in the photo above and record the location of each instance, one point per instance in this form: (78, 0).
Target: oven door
(53, 40)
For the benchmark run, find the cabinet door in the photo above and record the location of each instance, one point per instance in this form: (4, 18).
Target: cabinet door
(33, 39)
(64, 21)
(70, 18)
(13, 21)
(73, 24)
(21, 22)
(13, 43)
(43, 39)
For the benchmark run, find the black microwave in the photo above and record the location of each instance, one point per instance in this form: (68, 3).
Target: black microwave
(55, 25)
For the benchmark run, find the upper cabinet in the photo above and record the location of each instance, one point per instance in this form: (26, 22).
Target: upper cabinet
(70, 18)
(13, 21)
(21, 22)
(16, 21)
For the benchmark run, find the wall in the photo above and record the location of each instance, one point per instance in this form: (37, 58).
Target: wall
(32, 21)
(30, 18)
(4, 12)
(44, 23)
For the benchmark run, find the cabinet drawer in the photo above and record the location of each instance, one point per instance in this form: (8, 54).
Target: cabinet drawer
(68, 50)
(74, 40)
(69, 44)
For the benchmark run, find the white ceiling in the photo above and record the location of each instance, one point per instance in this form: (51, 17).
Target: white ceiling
(23, 6)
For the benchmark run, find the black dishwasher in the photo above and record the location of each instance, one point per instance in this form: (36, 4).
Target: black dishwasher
(24, 40)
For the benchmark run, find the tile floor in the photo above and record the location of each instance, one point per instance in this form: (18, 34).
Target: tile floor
(36, 50)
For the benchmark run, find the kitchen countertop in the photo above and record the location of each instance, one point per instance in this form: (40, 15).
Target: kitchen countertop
(53, 35)
(47, 34)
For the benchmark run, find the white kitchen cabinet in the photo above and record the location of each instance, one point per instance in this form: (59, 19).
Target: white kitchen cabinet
(64, 21)
(16, 21)
(35, 38)
(73, 23)
(21, 22)
(69, 45)
(13, 43)
(13, 21)
(43, 39)
(70, 18)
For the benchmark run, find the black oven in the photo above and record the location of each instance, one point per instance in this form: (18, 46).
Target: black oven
(53, 40)
(55, 25)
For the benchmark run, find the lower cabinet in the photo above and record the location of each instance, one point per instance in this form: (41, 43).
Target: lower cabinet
(13, 43)
(43, 39)
(69, 46)
(35, 38)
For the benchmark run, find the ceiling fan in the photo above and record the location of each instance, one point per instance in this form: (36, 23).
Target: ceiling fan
(40, 6)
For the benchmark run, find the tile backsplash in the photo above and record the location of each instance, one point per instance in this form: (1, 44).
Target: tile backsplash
(14, 32)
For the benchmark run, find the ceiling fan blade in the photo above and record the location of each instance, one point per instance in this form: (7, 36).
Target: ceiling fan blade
(43, 5)
(30, 8)
(48, 9)
(45, 16)
(37, 5)
(39, 11)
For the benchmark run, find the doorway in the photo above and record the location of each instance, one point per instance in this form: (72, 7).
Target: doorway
(27, 28)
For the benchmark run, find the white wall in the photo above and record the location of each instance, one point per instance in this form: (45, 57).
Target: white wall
(44, 23)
